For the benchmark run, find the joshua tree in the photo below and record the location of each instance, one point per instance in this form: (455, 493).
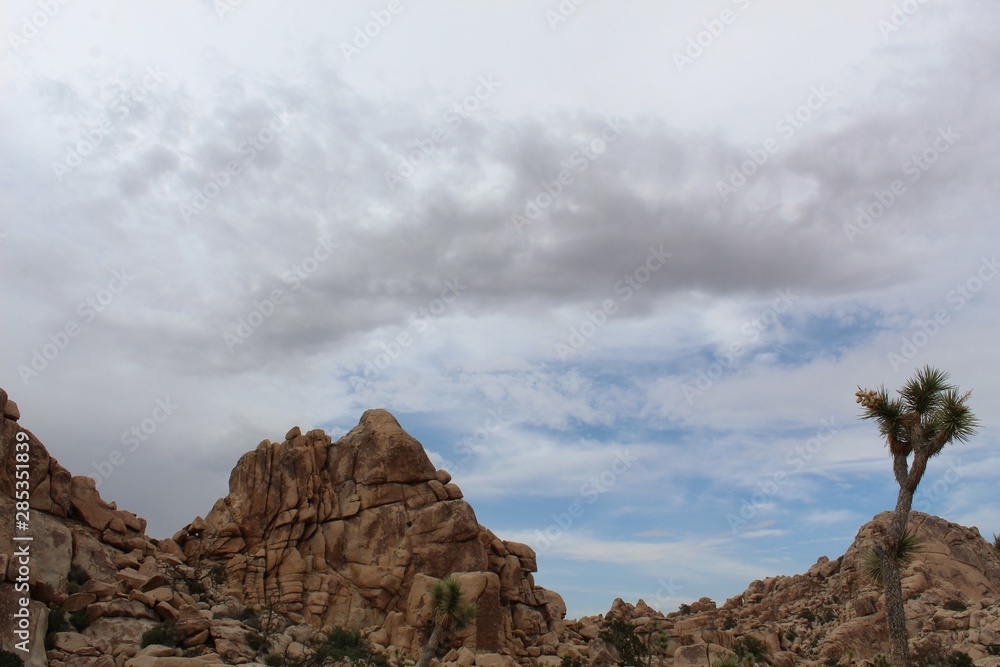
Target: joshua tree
(450, 613)
(928, 415)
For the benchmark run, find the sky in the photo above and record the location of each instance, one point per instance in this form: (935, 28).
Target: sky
(619, 267)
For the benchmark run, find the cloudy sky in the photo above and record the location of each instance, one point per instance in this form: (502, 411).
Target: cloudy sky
(620, 267)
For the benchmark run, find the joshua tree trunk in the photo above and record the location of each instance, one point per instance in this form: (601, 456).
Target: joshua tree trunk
(432, 647)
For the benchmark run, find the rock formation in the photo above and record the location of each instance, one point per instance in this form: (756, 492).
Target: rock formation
(354, 533)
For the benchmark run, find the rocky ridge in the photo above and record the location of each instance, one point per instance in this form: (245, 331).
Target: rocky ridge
(354, 533)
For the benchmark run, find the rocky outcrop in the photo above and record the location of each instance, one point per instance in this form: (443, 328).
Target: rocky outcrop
(355, 533)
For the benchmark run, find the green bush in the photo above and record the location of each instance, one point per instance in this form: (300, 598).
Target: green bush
(959, 659)
(728, 622)
(78, 575)
(257, 641)
(218, 573)
(993, 649)
(250, 618)
(572, 662)
(79, 620)
(342, 644)
(685, 609)
(881, 660)
(161, 633)
(791, 635)
(728, 660)
(748, 646)
(8, 659)
(274, 660)
(955, 605)
(808, 615)
(622, 636)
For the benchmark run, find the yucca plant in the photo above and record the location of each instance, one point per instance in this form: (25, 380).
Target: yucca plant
(928, 414)
(451, 612)
(908, 546)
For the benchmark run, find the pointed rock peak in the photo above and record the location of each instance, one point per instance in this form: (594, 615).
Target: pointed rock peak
(387, 453)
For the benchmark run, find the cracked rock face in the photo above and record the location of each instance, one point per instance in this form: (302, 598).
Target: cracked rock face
(355, 532)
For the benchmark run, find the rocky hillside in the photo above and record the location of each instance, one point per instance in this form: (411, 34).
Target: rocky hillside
(354, 533)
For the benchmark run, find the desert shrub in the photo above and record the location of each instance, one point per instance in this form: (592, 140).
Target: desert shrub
(623, 637)
(959, 659)
(572, 662)
(274, 660)
(881, 660)
(257, 641)
(79, 621)
(750, 647)
(250, 618)
(341, 644)
(728, 660)
(218, 573)
(8, 659)
(955, 605)
(791, 635)
(685, 609)
(161, 633)
(808, 615)
(728, 622)
(993, 649)
(78, 575)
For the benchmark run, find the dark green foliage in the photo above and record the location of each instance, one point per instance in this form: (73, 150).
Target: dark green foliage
(728, 622)
(685, 609)
(727, 660)
(343, 644)
(79, 620)
(572, 662)
(274, 660)
(257, 641)
(250, 618)
(808, 615)
(881, 660)
(955, 605)
(8, 659)
(750, 647)
(78, 575)
(161, 633)
(996, 543)
(993, 649)
(58, 621)
(218, 573)
(791, 635)
(909, 546)
(623, 637)
(959, 659)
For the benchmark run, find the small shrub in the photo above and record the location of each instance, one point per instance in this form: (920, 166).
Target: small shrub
(218, 573)
(996, 543)
(993, 649)
(8, 659)
(274, 660)
(78, 575)
(572, 662)
(72, 588)
(79, 620)
(250, 618)
(881, 660)
(955, 605)
(791, 635)
(342, 644)
(257, 641)
(959, 659)
(728, 622)
(748, 646)
(161, 633)
(623, 637)
(685, 609)
(728, 660)
(808, 615)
